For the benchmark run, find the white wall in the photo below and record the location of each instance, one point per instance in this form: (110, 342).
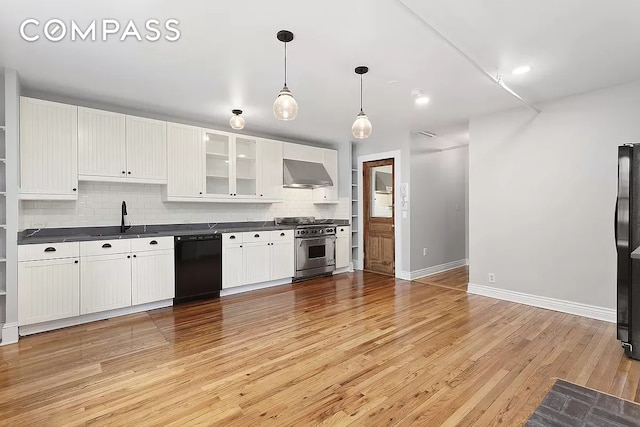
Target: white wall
(99, 204)
(542, 192)
(438, 180)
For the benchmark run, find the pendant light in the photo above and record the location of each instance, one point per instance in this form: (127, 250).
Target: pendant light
(236, 121)
(361, 128)
(285, 107)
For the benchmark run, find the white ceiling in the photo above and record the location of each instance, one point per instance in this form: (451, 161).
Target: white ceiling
(228, 57)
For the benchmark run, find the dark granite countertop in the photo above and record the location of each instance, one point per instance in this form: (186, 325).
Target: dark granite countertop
(82, 234)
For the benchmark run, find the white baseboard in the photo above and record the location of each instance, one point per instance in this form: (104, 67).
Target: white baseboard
(87, 318)
(585, 310)
(404, 275)
(9, 333)
(253, 287)
(430, 271)
(342, 270)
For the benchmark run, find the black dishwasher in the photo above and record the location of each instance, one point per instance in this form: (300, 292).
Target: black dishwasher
(198, 267)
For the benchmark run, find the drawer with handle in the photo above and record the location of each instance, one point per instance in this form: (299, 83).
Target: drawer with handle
(281, 235)
(105, 247)
(255, 236)
(343, 231)
(151, 243)
(231, 239)
(48, 251)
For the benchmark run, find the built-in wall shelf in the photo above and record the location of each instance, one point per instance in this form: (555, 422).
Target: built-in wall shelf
(3, 260)
(3, 128)
(3, 160)
(219, 155)
(3, 293)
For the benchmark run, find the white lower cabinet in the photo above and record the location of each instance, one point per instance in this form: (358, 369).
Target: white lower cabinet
(106, 282)
(48, 290)
(63, 280)
(343, 249)
(152, 276)
(256, 257)
(282, 260)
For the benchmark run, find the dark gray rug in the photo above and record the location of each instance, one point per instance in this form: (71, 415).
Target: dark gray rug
(568, 404)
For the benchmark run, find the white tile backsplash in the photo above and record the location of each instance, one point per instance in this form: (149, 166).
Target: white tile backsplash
(99, 205)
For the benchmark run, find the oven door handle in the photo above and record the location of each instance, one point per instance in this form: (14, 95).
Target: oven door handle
(306, 239)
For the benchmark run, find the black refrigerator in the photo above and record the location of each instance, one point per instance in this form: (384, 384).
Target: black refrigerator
(627, 235)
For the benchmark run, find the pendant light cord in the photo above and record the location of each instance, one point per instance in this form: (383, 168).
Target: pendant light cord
(361, 93)
(285, 63)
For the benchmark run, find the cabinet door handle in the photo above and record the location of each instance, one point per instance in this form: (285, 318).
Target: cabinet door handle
(240, 245)
(123, 172)
(281, 234)
(256, 236)
(128, 256)
(135, 256)
(106, 245)
(153, 242)
(232, 237)
(75, 262)
(75, 189)
(129, 172)
(50, 249)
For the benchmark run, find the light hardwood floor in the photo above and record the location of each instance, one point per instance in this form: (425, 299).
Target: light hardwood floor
(457, 279)
(359, 349)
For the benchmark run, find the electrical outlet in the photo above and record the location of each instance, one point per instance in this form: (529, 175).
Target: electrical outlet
(492, 278)
(424, 252)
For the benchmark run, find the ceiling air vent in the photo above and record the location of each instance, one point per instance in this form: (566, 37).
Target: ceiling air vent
(427, 134)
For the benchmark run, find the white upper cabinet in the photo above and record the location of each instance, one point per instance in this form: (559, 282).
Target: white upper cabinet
(101, 144)
(48, 150)
(245, 167)
(185, 162)
(306, 153)
(270, 169)
(146, 150)
(115, 147)
(328, 194)
(219, 156)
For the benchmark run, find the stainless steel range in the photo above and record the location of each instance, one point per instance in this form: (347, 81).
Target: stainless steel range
(315, 246)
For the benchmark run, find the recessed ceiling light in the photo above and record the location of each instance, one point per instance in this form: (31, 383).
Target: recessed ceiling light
(422, 100)
(521, 70)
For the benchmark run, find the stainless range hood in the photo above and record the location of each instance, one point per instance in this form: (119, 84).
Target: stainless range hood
(300, 174)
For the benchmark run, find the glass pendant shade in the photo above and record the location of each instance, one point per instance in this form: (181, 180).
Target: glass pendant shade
(285, 107)
(361, 128)
(236, 121)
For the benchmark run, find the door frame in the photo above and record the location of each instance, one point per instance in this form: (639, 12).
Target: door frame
(398, 178)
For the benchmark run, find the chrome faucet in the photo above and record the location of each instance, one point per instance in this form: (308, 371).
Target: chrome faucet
(123, 226)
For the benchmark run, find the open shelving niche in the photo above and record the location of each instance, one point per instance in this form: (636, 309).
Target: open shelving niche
(3, 217)
(354, 208)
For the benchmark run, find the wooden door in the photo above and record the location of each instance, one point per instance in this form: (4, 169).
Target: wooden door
(379, 211)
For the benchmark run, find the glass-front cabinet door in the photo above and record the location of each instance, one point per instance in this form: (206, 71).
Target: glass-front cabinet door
(245, 167)
(219, 157)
